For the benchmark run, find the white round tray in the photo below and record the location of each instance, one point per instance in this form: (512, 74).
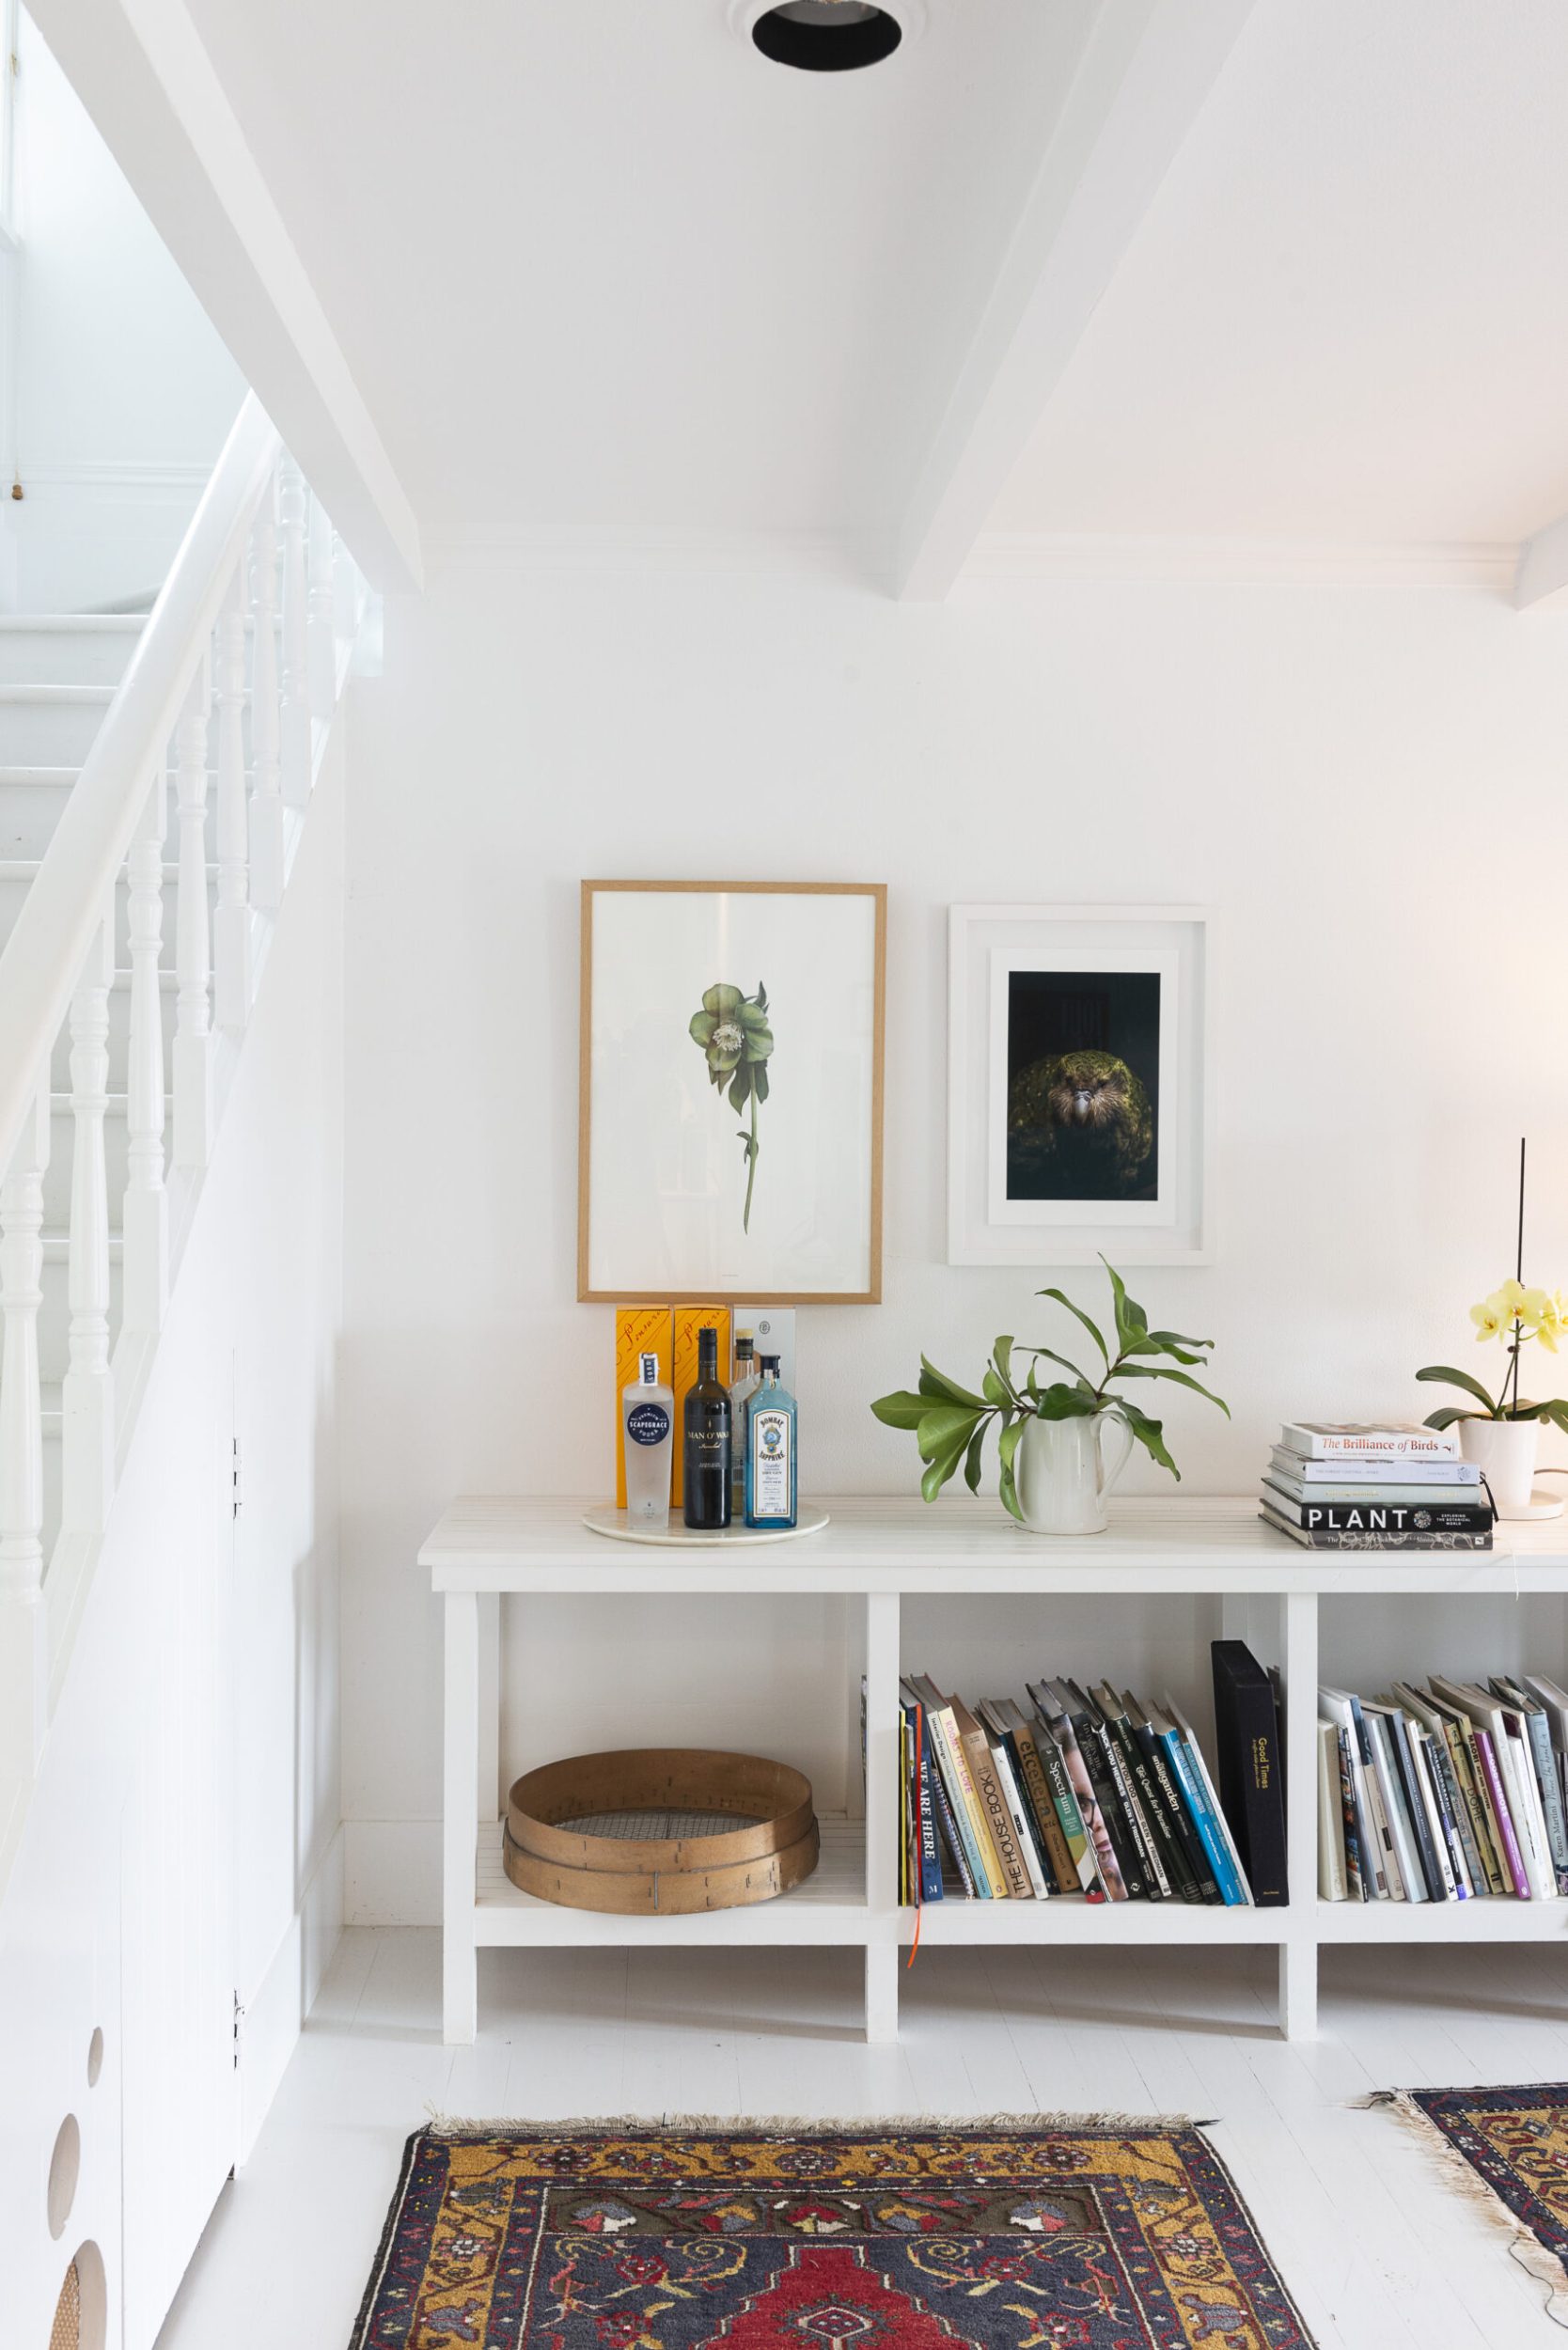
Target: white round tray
(616, 1528)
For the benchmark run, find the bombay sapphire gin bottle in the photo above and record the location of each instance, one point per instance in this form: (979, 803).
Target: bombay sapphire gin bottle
(647, 1427)
(770, 1453)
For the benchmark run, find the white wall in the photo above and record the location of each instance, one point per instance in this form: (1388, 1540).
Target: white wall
(123, 393)
(1367, 785)
(179, 1801)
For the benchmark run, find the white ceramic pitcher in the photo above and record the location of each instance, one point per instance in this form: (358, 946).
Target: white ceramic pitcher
(1064, 1469)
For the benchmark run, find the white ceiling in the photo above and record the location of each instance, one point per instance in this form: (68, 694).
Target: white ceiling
(597, 267)
(595, 262)
(1345, 316)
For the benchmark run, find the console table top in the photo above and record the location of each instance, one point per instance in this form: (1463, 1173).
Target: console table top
(1197, 1543)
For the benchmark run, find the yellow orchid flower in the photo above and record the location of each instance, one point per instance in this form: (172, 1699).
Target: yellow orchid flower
(1533, 1307)
(1548, 1321)
(1489, 1318)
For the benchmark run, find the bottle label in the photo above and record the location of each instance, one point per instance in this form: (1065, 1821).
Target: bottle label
(771, 1436)
(648, 1423)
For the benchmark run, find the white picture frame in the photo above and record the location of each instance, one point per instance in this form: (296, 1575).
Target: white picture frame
(1140, 1192)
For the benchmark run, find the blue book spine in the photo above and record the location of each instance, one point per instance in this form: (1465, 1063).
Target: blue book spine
(1203, 1819)
(930, 1860)
(949, 1827)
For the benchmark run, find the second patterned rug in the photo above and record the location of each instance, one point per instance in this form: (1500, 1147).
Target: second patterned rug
(901, 2236)
(1510, 2147)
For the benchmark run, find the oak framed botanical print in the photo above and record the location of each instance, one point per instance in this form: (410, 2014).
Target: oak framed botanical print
(730, 1102)
(1079, 1098)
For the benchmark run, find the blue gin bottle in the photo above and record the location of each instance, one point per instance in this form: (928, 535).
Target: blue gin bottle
(769, 1452)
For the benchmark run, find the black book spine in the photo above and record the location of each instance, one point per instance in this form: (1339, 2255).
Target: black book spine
(1420, 1826)
(1094, 1746)
(1252, 1786)
(1184, 1832)
(1156, 1884)
(1157, 1829)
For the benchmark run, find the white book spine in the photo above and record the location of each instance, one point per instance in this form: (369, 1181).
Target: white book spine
(1333, 1875)
(1011, 1797)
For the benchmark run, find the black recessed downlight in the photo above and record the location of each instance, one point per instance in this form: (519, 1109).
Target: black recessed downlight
(826, 35)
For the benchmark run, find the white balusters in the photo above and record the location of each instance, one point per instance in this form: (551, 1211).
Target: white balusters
(193, 1035)
(147, 1216)
(296, 701)
(232, 924)
(345, 593)
(20, 1404)
(266, 807)
(89, 1394)
(320, 612)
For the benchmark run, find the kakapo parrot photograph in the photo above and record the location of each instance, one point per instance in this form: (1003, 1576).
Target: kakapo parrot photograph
(1083, 1085)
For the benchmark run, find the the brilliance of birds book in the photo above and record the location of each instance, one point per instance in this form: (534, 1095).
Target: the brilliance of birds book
(1344, 1472)
(1399, 1440)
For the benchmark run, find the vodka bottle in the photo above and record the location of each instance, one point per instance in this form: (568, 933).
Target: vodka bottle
(647, 1432)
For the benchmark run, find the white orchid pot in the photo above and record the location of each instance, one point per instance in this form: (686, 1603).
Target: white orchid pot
(1063, 1471)
(1504, 1451)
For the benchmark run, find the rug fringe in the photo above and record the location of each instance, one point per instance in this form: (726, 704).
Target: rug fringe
(800, 2124)
(1538, 2264)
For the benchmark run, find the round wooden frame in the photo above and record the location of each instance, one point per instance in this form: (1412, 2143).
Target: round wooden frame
(776, 1848)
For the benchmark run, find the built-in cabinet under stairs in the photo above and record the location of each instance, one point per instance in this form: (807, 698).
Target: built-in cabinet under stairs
(157, 775)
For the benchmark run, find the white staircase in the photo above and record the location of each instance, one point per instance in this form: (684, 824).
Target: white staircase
(57, 677)
(154, 776)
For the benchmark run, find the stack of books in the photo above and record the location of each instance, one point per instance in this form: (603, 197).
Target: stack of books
(1454, 1792)
(1086, 1791)
(1344, 1487)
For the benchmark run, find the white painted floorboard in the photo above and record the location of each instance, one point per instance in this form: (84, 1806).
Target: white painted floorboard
(1379, 2251)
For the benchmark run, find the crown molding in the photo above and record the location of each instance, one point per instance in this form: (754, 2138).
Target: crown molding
(1023, 555)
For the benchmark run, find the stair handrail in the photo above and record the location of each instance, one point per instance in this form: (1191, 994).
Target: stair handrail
(42, 959)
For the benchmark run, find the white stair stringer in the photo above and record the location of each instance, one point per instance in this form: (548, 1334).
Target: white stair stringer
(118, 1083)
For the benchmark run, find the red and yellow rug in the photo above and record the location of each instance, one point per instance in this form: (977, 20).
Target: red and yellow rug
(1510, 2145)
(1047, 2236)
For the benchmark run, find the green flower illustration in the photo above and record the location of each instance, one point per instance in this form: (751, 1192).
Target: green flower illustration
(732, 1033)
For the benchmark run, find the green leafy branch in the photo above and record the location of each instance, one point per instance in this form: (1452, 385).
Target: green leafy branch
(950, 1422)
(735, 1036)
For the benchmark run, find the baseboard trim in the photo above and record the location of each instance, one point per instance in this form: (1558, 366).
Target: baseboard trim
(392, 1873)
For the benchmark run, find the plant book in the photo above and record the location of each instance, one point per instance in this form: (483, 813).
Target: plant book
(1379, 1514)
(1399, 1440)
(1324, 1538)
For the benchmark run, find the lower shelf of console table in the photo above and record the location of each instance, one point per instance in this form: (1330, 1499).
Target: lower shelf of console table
(486, 1549)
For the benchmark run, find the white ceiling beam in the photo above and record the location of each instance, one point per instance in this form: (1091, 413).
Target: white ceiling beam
(1541, 578)
(1147, 68)
(142, 72)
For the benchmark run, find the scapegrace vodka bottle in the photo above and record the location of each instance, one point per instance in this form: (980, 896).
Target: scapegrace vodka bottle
(647, 1432)
(744, 1387)
(770, 1453)
(706, 1433)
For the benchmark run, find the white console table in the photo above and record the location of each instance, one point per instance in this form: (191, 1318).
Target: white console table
(487, 1549)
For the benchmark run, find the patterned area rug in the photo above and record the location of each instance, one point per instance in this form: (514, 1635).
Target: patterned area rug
(1516, 2140)
(1031, 2235)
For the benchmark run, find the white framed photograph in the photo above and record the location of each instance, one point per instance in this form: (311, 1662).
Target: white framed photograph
(1079, 1091)
(731, 1092)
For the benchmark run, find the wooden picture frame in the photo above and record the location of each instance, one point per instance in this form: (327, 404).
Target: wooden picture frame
(1119, 993)
(666, 1207)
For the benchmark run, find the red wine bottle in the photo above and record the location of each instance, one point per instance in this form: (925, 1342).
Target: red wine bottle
(708, 1497)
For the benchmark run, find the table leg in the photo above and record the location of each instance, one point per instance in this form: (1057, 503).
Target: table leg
(460, 1831)
(492, 1793)
(1298, 1957)
(882, 1786)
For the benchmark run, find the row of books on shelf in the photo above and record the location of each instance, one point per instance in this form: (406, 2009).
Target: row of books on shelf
(1455, 1791)
(1341, 1485)
(1089, 1791)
